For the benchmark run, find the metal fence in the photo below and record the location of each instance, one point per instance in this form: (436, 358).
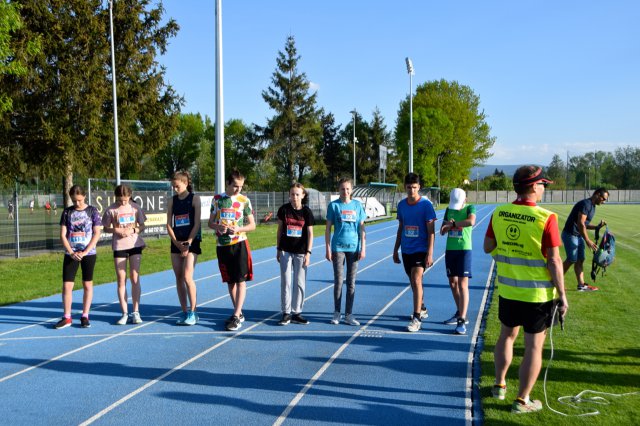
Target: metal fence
(33, 231)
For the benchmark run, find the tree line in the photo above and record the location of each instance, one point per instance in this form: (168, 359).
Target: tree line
(56, 111)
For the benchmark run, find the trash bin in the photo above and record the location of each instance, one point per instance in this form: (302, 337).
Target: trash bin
(387, 209)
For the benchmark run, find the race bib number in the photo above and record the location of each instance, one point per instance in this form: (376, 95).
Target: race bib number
(182, 220)
(125, 219)
(294, 231)
(227, 214)
(455, 233)
(348, 215)
(78, 240)
(411, 231)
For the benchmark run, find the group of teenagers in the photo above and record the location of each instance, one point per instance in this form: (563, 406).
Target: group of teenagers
(522, 237)
(231, 218)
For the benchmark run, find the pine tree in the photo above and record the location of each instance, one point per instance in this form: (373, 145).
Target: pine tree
(293, 135)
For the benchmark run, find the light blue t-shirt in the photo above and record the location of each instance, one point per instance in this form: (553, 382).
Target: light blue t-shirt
(347, 218)
(414, 218)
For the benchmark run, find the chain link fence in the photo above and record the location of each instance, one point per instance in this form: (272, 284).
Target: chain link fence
(30, 223)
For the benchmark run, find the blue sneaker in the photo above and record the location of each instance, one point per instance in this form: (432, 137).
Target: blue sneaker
(191, 318)
(182, 318)
(460, 328)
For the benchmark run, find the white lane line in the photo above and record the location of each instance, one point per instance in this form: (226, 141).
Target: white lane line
(201, 354)
(169, 334)
(129, 330)
(294, 402)
(468, 395)
(330, 361)
(169, 287)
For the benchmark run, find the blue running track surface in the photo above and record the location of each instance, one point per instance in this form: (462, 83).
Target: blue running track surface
(157, 373)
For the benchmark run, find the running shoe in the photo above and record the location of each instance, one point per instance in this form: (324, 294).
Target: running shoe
(587, 287)
(520, 406)
(460, 328)
(350, 319)
(182, 318)
(191, 319)
(234, 324)
(135, 318)
(336, 318)
(499, 391)
(63, 323)
(423, 312)
(84, 322)
(286, 319)
(453, 320)
(414, 325)
(299, 319)
(123, 319)
(228, 320)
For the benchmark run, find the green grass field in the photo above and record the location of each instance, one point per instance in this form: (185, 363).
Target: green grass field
(599, 349)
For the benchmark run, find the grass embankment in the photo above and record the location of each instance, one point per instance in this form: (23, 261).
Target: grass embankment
(598, 350)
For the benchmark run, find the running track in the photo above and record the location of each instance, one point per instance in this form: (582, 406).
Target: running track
(263, 374)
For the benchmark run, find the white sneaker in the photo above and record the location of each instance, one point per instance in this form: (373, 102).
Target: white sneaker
(135, 318)
(123, 319)
(349, 319)
(336, 318)
(414, 325)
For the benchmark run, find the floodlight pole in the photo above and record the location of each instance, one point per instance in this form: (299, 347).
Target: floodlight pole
(410, 72)
(115, 99)
(354, 145)
(220, 174)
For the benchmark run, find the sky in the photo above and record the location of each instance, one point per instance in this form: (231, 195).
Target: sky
(553, 77)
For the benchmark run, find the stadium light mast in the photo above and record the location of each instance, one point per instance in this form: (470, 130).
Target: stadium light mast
(410, 72)
(115, 98)
(354, 112)
(220, 175)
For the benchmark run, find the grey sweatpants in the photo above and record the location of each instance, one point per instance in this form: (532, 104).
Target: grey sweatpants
(293, 276)
(339, 259)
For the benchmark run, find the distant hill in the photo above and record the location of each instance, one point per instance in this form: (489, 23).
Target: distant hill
(489, 169)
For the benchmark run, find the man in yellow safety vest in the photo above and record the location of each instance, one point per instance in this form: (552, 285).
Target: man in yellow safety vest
(524, 240)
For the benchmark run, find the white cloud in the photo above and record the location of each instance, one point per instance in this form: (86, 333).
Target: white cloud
(314, 87)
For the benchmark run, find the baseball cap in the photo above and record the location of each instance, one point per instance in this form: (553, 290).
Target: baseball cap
(456, 199)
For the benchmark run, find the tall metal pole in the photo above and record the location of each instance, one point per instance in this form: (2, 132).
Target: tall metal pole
(115, 98)
(354, 145)
(220, 174)
(410, 71)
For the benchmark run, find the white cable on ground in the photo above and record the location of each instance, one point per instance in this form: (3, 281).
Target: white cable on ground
(579, 398)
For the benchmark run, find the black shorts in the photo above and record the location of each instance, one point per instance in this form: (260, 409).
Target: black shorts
(533, 317)
(235, 262)
(413, 260)
(126, 253)
(195, 248)
(70, 268)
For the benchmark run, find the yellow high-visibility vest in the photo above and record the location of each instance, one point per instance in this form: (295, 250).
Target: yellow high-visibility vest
(522, 269)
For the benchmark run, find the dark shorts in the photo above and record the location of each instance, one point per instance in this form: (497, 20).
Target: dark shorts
(458, 263)
(533, 317)
(235, 262)
(70, 268)
(195, 248)
(413, 260)
(126, 253)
